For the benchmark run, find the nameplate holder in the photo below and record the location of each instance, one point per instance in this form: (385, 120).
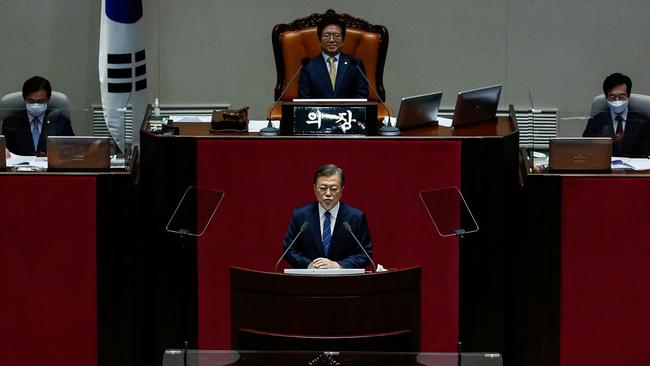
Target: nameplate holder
(329, 118)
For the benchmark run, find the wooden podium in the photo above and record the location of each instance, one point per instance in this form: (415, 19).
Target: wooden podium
(366, 312)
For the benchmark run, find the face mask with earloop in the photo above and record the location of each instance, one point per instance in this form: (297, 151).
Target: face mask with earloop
(617, 106)
(36, 109)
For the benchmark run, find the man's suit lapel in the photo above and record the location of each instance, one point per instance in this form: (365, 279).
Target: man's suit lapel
(339, 230)
(324, 74)
(630, 133)
(341, 70)
(26, 130)
(608, 127)
(48, 128)
(316, 231)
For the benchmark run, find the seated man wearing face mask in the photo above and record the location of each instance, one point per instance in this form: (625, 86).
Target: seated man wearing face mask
(26, 131)
(629, 130)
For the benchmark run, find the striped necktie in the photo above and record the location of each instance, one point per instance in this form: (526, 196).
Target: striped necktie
(327, 233)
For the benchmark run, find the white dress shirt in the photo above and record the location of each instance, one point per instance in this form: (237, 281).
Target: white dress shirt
(336, 62)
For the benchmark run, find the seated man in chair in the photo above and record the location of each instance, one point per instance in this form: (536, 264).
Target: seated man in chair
(332, 74)
(630, 130)
(26, 131)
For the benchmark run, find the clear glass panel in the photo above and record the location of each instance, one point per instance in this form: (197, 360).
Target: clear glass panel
(449, 211)
(300, 358)
(194, 211)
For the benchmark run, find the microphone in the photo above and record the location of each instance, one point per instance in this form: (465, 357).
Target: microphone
(388, 129)
(304, 226)
(269, 130)
(379, 268)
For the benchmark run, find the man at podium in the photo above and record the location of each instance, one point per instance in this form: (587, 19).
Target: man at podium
(332, 74)
(329, 228)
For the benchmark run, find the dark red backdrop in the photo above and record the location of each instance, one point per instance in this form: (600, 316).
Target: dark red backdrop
(265, 179)
(48, 282)
(605, 296)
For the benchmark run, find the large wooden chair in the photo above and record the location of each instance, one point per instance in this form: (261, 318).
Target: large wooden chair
(294, 41)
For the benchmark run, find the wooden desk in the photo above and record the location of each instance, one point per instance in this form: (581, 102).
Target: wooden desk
(499, 128)
(266, 177)
(367, 312)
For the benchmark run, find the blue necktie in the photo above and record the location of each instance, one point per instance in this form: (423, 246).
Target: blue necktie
(327, 233)
(35, 133)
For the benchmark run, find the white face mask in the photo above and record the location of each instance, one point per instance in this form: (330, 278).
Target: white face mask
(617, 106)
(36, 109)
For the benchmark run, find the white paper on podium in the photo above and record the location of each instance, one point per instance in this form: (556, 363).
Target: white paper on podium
(324, 271)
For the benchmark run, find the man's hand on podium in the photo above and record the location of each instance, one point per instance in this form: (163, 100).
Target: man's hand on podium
(323, 263)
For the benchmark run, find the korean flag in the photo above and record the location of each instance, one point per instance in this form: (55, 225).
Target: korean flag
(122, 66)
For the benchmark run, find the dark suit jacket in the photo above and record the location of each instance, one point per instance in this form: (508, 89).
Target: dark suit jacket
(343, 248)
(18, 131)
(315, 79)
(636, 137)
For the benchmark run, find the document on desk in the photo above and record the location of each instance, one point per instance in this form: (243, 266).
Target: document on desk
(630, 163)
(191, 118)
(21, 160)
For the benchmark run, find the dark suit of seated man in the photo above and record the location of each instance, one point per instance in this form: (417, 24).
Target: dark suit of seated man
(332, 74)
(630, 130)
(325, 243)
(26, 131)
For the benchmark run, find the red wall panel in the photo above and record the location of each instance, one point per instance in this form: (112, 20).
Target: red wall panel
(48, 282)
(605, 296)
(265, 179)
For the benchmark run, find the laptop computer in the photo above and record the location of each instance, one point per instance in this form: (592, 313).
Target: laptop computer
(580, 154)
(419, 111)
(78, 153)
(3, 155)
(476, 105)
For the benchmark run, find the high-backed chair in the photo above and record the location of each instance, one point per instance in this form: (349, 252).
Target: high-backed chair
(14, 101)
(637, 102)
(294, 41)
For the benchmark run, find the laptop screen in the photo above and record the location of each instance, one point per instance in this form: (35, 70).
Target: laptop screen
(476, 105)
(419, 111)
(78, 153)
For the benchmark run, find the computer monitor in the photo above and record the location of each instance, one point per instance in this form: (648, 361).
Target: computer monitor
(476, 105)
(78, 153)
(419, 111)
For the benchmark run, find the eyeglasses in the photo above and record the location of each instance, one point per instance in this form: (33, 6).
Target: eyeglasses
(332, 189)
(614, 97)
(336, 36)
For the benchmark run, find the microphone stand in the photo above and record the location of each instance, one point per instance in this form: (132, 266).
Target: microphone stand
(304, 226)
(269, 130)
(388, 129)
